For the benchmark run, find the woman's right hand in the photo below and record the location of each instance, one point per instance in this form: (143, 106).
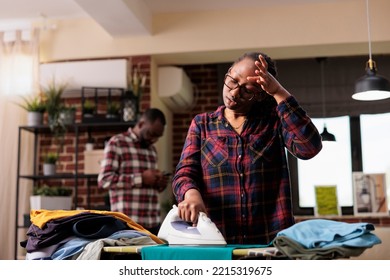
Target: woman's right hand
(190, 207)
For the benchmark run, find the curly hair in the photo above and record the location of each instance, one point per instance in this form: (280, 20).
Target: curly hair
(255, 57)
(268, 103)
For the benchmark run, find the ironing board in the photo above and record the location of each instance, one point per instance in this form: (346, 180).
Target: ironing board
(111, 252)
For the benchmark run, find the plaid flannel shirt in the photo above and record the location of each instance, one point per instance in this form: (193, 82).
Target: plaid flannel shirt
(244, 179)
(121, 173)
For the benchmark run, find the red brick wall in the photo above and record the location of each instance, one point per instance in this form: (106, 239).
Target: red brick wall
(204, 77)
(66, 162)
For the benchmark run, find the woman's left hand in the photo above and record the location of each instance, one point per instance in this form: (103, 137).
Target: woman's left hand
(267, 81)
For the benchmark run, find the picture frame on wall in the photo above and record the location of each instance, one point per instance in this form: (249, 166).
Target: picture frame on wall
(369, 191)
(326, 201)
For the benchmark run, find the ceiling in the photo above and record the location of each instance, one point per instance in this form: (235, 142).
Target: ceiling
(132, 17)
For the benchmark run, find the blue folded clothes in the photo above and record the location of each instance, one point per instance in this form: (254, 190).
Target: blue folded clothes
(76, 244)
(321, 233)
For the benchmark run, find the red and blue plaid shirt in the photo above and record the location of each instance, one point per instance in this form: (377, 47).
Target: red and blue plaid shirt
(121, 173)
(244, 179)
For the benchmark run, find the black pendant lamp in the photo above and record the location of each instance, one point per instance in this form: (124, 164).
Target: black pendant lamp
(325, 135)
(371, 86)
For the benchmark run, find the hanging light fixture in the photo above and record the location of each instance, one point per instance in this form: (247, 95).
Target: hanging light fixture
(371, 86)
(326, 136)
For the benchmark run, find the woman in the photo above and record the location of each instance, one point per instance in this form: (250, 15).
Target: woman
(233, 164)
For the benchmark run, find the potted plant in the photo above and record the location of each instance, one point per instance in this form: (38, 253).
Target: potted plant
(51, 198)
(88, 108)
(54, 104)
(35, 108)
(53, 99)
(136, 82)
(49, 163)
(67, 114)
(113, 110)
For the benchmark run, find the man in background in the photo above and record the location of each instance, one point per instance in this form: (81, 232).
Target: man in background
(129, 171)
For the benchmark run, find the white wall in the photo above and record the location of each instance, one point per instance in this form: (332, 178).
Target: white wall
(336, 28)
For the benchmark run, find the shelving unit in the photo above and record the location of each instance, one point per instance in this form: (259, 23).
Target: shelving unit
(78, 129)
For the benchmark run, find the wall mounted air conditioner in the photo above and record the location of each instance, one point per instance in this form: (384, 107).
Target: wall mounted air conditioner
(110, 73)
(175, 88)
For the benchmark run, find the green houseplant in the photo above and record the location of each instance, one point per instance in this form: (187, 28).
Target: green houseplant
(53, 99)
(50, 158)
(33, 104)
(35, 108)
(49, 163)
(136, 82)
(45, 190)
(51, 198)
(54, 104)
(113, 110)
(67, 114)
(88, 108)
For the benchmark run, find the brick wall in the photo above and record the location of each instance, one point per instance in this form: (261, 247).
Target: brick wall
(66, 162)
(204, 77)
(208, 92)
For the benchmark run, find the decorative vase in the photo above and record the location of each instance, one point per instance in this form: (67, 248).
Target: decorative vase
(34, 118)
(49, 169)
(68, 117)
(51, 202)
(130, 106)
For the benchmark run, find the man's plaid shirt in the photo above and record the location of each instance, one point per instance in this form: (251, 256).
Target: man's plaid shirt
(121, 173)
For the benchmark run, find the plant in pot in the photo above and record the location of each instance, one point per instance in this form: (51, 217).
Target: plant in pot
(51, 198)
(113, 110)
(53, 99)
(136, 82)
(54, 104)
(35, 108)
(67, 114)
(88, 108)
(49, 163)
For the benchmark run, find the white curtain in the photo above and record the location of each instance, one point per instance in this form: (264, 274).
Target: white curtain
(19, 62)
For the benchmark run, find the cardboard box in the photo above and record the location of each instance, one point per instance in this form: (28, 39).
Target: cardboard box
(92, 161)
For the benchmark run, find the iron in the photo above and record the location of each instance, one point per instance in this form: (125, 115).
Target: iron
(176, 231)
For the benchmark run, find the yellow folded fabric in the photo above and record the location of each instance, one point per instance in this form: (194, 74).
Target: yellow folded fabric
(42, 216)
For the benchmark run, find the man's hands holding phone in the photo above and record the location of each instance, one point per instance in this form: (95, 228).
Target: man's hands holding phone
(155, 178)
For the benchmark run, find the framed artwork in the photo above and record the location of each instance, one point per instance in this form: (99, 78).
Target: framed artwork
(369, 190)
(326, 201)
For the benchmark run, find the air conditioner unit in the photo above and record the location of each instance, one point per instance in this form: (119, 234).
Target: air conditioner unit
(175, 88)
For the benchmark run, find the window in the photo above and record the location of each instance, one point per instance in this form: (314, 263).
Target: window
(335, 163)
(375, 135)
(332, 166)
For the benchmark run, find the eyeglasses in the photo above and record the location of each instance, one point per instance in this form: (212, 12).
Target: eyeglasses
(245, 92)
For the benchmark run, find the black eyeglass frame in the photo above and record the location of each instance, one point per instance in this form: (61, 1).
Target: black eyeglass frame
(241, 88)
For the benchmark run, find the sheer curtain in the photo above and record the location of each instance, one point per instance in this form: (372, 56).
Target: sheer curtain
(19, 62)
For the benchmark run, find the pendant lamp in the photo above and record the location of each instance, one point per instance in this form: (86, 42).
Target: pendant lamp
(325, 135)
(371, 86)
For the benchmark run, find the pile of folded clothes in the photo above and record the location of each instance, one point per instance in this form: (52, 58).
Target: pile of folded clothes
(81, 234)
(325, 239)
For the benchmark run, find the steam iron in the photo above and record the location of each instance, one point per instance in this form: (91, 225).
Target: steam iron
(176, 231)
